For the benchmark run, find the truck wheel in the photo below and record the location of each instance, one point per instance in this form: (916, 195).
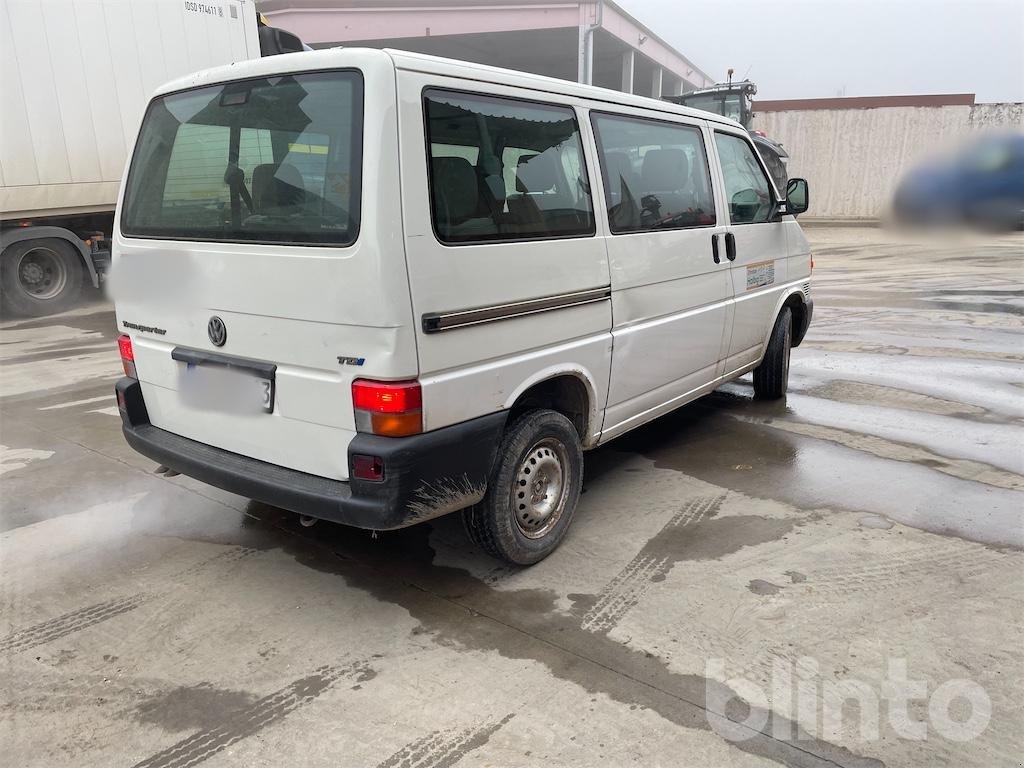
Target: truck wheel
(533, 490)
(771, 377)
(39, 277)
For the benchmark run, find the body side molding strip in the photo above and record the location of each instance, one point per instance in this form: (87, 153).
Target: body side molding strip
(434, 322)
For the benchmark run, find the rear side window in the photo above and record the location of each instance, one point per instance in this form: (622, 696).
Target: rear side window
(504, 169)
(269, 160)
(655, 174)
(746, 187)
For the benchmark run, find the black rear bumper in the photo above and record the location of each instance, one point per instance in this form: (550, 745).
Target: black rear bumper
(424, 475)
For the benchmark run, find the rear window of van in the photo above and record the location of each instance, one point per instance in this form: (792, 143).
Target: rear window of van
(268, 160)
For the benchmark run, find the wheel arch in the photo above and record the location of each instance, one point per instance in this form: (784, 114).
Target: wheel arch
(795, 300)
(9, 237)
(570, 390)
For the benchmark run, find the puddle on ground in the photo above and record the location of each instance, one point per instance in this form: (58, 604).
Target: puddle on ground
(191, 707)
(762, 587)
(704, 441)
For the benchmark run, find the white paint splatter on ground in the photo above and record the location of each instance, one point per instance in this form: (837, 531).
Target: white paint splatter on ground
(73, 403)
(111, 411)
(19, 458)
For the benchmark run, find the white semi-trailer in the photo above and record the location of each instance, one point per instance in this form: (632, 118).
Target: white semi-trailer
(75, 76)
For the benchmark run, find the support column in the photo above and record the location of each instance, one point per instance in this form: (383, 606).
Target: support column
(581, 54)
(677, 87)
(627, 71)
(656, 83)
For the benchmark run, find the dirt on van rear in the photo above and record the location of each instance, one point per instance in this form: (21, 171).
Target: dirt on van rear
(836, 579)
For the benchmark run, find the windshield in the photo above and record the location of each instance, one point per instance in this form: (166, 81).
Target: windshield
(725, 104)
(269, 160)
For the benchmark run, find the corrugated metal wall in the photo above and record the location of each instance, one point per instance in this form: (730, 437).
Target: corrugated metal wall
(853, 158)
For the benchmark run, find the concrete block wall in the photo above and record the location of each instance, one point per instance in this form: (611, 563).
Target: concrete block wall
(853, 158)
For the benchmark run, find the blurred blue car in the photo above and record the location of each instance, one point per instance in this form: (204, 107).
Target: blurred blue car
(981, 185)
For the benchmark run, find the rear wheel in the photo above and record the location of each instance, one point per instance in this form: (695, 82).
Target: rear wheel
(533, 490)
(39, 277)
(771, 377)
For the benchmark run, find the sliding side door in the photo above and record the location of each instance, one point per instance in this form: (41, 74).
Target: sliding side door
(666, 251)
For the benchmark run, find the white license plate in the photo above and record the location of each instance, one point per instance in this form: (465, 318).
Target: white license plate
(219, 388)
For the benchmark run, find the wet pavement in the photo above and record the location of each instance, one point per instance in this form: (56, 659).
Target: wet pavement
(735, 573)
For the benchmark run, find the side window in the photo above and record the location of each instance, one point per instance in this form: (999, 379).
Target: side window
(746, 187)
(655, 174)
(504, 169)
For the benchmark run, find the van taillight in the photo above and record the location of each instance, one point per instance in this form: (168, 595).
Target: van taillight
(124, 344)
(390, 408)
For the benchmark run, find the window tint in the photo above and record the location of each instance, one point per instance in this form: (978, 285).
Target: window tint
(746, 187)
(264, 160)
(655, 174)
(504, 169)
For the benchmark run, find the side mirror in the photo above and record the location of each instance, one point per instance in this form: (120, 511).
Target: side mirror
(274, 41)
(797, 196)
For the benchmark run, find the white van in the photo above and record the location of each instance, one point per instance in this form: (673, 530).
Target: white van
(376, 287)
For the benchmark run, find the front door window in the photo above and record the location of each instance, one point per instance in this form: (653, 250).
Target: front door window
(746, 187)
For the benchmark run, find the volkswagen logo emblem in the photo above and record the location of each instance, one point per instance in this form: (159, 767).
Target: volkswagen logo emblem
(217, 330)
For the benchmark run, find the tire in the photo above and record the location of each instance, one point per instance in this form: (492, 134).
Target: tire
(771, 377)
(40, 276)
(517, 521)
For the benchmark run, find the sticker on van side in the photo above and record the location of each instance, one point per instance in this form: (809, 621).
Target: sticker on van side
(760, 274)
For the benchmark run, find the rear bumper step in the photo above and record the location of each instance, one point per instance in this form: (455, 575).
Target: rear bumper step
(425, 476)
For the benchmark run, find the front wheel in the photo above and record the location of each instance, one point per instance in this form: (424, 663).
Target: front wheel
(533, 490)
(771, 377)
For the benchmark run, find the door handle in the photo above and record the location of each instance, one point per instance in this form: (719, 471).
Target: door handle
(730, 246)
(714, 249)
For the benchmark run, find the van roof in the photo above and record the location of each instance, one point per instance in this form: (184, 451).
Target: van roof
(330, 58)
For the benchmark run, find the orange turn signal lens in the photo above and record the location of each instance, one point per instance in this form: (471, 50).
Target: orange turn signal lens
(396, 424)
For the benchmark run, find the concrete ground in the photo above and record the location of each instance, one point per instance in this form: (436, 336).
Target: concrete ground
(859, 541)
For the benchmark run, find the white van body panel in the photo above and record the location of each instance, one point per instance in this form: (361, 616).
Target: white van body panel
(476, 369)
(491, 383)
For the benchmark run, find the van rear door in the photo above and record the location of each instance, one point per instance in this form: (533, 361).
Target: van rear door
(248, 270)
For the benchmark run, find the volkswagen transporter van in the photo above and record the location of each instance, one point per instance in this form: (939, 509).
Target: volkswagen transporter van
(376, 287)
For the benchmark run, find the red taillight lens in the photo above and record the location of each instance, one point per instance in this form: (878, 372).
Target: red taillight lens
(391, 408)
(124, 344)
(367, 467)
(386, 396)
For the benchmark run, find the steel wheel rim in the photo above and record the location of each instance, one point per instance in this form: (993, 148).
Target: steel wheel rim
(541, 488)
(42, 274)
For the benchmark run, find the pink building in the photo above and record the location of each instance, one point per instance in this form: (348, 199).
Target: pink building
(591, 41)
